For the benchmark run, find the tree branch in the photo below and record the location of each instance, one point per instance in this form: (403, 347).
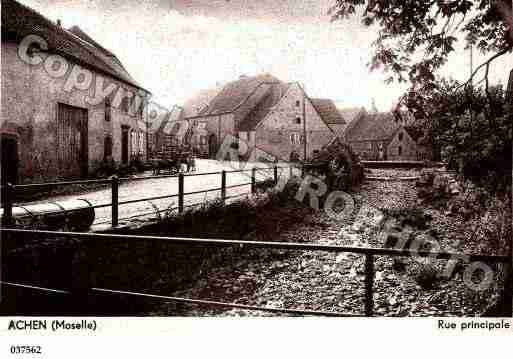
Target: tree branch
(486, 63)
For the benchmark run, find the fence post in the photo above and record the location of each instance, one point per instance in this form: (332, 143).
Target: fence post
(253, 180)
(508, 289)
(180, 192)
(275, 175)
(369, 283)
(8, 200)
(115, 200)
(80, 281)
(223, 186)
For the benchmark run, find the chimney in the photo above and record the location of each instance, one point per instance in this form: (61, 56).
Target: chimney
(59, 22)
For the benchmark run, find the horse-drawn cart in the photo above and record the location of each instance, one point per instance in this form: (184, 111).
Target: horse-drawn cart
(172, 162)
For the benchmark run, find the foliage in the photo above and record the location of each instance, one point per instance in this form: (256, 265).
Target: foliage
(469, 129)
(105, 168)
(468, 126)
(415, 38)
(238, 218)
(427, 276)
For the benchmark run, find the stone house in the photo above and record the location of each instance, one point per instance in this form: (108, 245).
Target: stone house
(174, 129)
(68, 103)
(381, 136)
(349, 114)
(331, 115)
(265, 116)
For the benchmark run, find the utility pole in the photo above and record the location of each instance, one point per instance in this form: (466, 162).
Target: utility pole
(304, 122)
(146, 114)
(471, 88)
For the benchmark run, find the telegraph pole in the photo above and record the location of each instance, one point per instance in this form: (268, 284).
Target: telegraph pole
(471, 88)
(304, 123)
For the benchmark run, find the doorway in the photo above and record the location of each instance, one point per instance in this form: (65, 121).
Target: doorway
(9, 159)
(72, 141)
(124, 144)
(212, 146)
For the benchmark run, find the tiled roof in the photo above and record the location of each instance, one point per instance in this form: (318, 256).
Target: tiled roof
(415, 133)
(328, 111)
(350, 113)
(253, 111)
(19, 21)
(373, 127)
(199, 102)
(238, 93)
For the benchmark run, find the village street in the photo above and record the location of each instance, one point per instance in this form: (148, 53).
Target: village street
(156, 187)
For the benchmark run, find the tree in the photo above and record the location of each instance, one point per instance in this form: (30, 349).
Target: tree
(410, 28)
(415, 39)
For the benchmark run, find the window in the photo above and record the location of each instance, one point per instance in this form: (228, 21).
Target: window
(399, 150)
(107, 109)
(125, 104)
(298, 103)
(298, 120)
(107, 148)
(296, 138)
(133, 142)
(142, 143)
(401, 136)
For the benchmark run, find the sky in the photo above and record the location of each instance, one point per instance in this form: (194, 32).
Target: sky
(175, 48)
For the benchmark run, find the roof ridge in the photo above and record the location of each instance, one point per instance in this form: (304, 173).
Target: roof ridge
(58, 36)
(207, 110)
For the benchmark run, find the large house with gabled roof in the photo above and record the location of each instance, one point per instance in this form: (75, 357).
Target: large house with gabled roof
(382, 136)
(68, 103)
(265, 116)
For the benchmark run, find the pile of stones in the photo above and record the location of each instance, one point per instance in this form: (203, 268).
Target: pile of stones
(437, 184)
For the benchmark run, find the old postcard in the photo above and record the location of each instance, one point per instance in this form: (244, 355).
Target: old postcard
(249, 159)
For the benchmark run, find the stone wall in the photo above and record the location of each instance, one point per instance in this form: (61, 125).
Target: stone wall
(30, 98)
(402, 147)
(273, 135)
(205, 127)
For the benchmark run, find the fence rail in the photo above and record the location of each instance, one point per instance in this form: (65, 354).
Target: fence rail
(9, 191)
(368, 252)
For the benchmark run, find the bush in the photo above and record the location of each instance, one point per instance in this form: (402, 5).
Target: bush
(427, 276)
(138, 165)
(105, 168)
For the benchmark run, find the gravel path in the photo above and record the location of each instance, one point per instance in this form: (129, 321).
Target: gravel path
(331, 282)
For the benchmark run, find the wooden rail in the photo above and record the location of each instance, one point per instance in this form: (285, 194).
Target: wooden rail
(369, 253)
(9, 191)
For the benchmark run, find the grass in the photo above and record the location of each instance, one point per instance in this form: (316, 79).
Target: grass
(146, 266)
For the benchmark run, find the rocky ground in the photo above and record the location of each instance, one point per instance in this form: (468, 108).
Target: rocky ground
(335, 282)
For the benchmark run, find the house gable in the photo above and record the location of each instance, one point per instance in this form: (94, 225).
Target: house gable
(282, 130)
(402, 146)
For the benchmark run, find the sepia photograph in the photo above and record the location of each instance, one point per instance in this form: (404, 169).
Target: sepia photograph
(248, 159)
